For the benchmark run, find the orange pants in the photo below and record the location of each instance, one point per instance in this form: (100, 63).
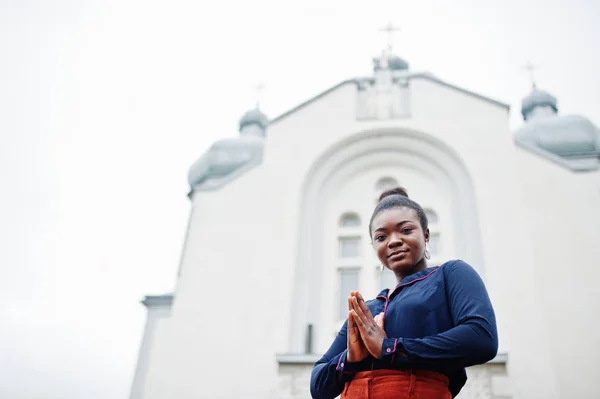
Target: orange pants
(397, 384)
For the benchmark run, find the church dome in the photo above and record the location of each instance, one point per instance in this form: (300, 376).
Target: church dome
(389, 61)
(397, 64)
(254, 117)
(537, 98)
(564, 136)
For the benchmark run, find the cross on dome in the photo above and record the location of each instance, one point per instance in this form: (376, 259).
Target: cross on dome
(390, 29)
(387, 60)
(529, 67)
(259, 89)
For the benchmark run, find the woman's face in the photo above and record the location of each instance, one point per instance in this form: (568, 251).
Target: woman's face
(399, 239)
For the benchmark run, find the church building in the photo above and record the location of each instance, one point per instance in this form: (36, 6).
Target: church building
(278, 236)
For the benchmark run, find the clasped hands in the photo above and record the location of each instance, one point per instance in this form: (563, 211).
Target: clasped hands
(365, 332)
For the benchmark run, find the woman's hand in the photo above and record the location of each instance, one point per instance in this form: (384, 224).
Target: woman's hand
(356, 348)
(370, 329)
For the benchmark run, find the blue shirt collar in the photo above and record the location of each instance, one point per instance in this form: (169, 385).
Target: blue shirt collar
(410, 279)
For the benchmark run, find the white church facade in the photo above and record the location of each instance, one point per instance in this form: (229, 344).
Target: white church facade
(278, 236)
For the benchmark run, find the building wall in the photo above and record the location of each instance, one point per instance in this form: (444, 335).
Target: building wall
(157, 314)
(296, 141)
(563, 216)
(250, 280)
(226, 300)
(477, 133)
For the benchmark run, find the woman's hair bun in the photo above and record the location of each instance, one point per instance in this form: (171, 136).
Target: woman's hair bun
(393, 191)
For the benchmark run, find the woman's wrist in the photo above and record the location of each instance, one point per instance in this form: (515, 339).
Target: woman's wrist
(352, 359)
(349, 358)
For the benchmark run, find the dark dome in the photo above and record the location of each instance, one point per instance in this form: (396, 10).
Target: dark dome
(393, 62)
(537, 98)
(254, 117)
(397, 64)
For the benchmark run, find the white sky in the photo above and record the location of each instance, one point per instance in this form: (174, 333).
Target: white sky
(105, 104)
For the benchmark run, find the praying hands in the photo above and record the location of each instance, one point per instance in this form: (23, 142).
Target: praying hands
(365, 332)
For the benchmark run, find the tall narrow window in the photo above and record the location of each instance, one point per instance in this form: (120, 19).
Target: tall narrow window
(434, 244)
(348, 282)
(350, 219)
(435, 247)
(349, 247)
(349, 260)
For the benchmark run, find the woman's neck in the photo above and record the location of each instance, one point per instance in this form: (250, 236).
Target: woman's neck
(419, 267)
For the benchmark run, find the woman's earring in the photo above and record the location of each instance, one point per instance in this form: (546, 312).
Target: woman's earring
(427, 254)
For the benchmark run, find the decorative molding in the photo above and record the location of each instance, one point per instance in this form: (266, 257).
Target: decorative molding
(158, 300)
(291, 358)
(383, 98)
(311, 358)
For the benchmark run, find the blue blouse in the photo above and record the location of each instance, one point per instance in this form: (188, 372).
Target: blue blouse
(440, 319)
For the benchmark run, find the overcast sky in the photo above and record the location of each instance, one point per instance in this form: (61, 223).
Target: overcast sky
(105, 104)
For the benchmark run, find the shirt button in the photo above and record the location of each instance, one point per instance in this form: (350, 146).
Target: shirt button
(342, 364)
(388, 350)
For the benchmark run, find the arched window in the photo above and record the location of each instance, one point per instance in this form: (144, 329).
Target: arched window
(348, 281)
(385, 183)
(350, 219)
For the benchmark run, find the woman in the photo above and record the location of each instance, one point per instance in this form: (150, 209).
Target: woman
(436, 322)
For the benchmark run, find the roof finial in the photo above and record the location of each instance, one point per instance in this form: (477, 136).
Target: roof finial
(259, 89)
(531, 68)
(390, 29)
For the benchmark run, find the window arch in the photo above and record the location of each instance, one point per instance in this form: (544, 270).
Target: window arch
(350, 219)
(362, 153)
(385, 183)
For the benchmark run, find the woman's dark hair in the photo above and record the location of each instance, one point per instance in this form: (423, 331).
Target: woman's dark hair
(397, 198)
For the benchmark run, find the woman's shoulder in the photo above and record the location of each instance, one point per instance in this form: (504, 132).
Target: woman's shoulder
(456, 265)
(460, 272)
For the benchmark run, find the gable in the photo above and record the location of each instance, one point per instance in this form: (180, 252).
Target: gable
(312, 100)
(435, 100)
(466, 94)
